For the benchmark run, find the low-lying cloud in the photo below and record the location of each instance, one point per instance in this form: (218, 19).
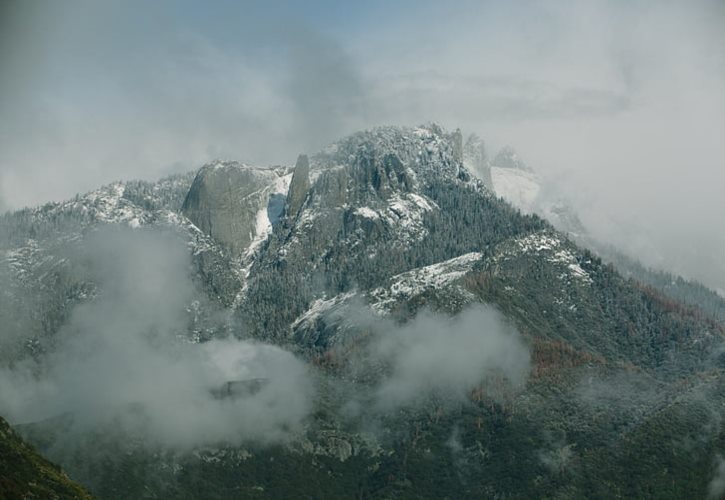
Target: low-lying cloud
(435, 355)
(123, 358)
(716, 487)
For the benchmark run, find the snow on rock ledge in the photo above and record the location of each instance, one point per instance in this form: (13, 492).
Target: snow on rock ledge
(409, 284)
(549, 245)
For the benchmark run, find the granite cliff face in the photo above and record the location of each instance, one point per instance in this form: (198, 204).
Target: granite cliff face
(236, 204)
(299, 186)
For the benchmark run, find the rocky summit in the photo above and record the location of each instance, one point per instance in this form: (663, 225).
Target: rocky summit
(378, 320)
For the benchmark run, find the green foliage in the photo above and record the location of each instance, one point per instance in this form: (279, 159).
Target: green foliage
(675, 287)
(25, 474)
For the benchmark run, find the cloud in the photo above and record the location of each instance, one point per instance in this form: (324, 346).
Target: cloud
(122, 359)
(557, 459)
(432, 357)
(446, 357)
(327, 93)
(716, 488)
(620, 391)
(81, 108)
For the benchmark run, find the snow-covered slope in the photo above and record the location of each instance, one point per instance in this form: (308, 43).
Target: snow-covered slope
(519, 187)
(407, 285)
(509, 177)
(549, 246)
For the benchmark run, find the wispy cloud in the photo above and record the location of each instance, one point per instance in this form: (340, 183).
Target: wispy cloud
(121, 363)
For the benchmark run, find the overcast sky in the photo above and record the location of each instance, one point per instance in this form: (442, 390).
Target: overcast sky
(622, 103)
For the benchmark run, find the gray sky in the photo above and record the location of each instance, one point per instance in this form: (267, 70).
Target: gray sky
(622, 103)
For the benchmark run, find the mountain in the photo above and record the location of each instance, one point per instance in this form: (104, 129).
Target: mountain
(433, 340)
(509, 177)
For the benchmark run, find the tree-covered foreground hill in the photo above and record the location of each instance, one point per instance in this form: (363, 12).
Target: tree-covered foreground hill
(26, 474)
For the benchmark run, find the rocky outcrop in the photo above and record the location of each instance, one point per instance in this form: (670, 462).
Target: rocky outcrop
(337, 444)
(299, 186)
(370, 201)
(457, 141)
(476, 160)
(229, 201)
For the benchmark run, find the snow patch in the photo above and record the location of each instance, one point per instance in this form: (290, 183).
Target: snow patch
(518, 187)
(423, 203)
(556, 252)
(412, 283)
(320, 307)
(406, 211)
(367, 212)
(423, 133)
(263, 226)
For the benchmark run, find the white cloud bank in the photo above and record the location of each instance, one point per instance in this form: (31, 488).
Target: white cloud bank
(119, 361)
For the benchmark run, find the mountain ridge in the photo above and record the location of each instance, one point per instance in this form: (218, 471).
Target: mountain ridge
(384, 234)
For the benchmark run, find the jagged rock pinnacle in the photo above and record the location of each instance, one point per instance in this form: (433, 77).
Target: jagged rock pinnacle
(299, 186)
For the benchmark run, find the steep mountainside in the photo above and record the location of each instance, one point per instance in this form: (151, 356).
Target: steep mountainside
(25, 474)
(516, 182)
(400, 279)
